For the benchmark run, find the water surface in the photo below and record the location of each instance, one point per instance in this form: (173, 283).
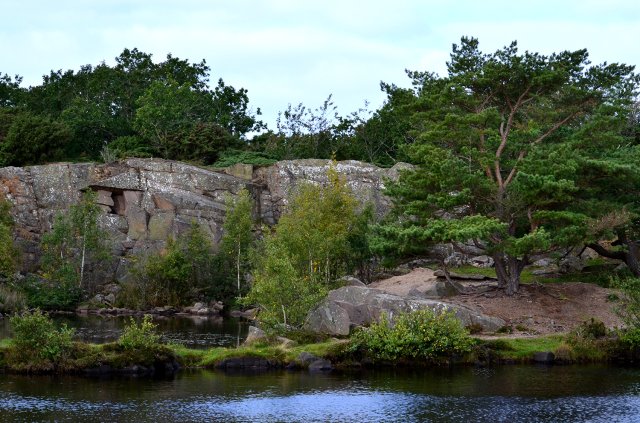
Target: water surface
(192, 331)
(502, 394)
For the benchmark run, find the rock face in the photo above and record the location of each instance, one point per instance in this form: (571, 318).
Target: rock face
(279, 180)
(351, 306)
(146, 201)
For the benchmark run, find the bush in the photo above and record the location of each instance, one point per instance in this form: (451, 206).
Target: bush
(50, 295)
(141, 336)
(629, 306)
(35, 338)
(11, 300)
(232, 157)
(588, 341)
(180, 274)
(631, 338)
(422, 334)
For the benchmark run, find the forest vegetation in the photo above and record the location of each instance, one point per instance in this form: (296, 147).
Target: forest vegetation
(516, 154)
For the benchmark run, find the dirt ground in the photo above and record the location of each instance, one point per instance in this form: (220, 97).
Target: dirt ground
(537, 309)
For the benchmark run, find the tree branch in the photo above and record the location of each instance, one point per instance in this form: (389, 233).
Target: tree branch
(618, 255)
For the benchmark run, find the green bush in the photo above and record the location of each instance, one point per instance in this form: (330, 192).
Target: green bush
(422, 334)
(631, 338)
(588, 341)
(231, 157)
(11, 300)
(35, 338)
(629, 306)
(178, 275)
(50, 295)
(141, 336)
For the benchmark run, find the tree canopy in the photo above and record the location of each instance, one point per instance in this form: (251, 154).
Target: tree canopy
(167, 105)
(504, 146)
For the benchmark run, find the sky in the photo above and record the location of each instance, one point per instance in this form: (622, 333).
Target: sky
(295, 51)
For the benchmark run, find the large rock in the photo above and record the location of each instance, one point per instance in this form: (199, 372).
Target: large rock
(279, 180)
(351, 306)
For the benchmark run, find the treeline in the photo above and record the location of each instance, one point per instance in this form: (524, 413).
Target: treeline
(170, 109)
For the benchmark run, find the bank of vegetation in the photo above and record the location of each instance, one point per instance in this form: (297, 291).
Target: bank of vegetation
(418, 339)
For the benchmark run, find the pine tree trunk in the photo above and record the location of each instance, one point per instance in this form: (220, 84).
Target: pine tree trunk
(508, 271)
(632, 258)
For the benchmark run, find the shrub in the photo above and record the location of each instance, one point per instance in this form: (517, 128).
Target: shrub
(141, 336)
(11, 300)
(422, 334)
(231, 157)
(180, 274)
(631, 338)
(588, 341)
(35, 338)
(629, 306)
(50, 295)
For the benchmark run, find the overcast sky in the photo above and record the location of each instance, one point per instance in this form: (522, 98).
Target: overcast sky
(291, 51)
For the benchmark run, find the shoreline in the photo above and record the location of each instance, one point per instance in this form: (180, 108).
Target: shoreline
(333, 355)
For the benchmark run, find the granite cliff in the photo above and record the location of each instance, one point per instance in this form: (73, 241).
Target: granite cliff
(146, 201)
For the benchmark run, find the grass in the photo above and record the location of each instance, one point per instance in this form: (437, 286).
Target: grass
(596, 271)
(274, 353)
(522, 349)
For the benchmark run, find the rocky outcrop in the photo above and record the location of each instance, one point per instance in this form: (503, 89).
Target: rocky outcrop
(146, 201)
(279, 180)
(351, 306)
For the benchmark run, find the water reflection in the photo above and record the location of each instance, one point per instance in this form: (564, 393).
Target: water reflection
(504, 394)
(191, 331)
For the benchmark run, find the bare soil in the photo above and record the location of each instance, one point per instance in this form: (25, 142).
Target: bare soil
(537, 309)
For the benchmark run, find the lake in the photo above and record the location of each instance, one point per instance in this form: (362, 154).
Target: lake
(595, 393)
(466, 394)
(192, 331)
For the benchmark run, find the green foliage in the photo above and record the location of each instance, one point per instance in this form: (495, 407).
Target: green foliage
(630, 337)
(49, 294)
(130, 146)
(423, 334)
(181, 273)
(502, 152)
(284, 295)
(629, 306)
(36, 338)
(231, 157)
(168, 103)
(75, 242)
(588, 341)
(316, 228)
(318, 239)
(33, 139)
(9, 253)
(140, 336)
(12, 300)
(237, 236)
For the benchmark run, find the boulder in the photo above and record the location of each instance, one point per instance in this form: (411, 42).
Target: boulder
(255, 335)
(350, 281)
(306, 358)
(544, 357)
(440, 289)
(483, 261)
(320, 365)
(571, 264)
(351, 306)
